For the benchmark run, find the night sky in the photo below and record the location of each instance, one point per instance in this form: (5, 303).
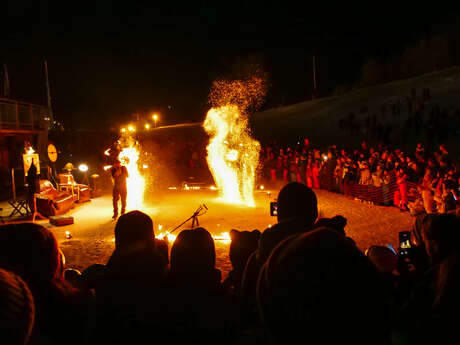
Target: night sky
(109, 60)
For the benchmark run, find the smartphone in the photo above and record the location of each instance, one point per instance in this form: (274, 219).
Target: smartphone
(273, 208)
(404, 243)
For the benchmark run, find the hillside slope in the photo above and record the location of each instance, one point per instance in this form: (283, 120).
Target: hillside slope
(319, 119)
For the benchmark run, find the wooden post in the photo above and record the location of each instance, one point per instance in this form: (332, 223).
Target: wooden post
(13, 185)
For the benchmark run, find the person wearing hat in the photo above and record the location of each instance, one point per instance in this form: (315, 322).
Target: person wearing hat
(119, 176)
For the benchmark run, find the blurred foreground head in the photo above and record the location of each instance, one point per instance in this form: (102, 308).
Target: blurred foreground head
(440, 234)
(320, 288)
(134, 231)
(17, 309)
(31, 251)
(297, 201)
(383, 258)
(193, 251)
(193, 257)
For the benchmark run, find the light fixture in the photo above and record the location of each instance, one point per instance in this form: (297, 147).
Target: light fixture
(83, 167)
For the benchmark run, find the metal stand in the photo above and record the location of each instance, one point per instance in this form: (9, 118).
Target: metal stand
(202, 209)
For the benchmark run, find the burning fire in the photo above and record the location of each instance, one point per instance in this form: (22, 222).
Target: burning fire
(233, 155)
(232, 165)
(224, 237)
(135, 183)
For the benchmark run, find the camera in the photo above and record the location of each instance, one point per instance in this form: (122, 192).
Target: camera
(404, 244)
(273, 208)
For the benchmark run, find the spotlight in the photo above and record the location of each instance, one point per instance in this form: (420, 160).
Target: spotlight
(83, 167)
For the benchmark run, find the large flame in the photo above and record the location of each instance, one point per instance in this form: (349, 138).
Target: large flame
(135, 183)
(233, 155)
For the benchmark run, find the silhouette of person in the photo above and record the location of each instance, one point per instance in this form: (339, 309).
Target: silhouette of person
(119, 176)
(32, 184)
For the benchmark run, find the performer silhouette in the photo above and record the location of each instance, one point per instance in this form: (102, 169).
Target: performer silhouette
(119, 176)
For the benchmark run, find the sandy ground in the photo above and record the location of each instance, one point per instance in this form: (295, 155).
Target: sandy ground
(93, 240)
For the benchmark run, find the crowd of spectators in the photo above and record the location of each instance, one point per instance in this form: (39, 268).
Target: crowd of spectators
(302, 280)
(418, 181)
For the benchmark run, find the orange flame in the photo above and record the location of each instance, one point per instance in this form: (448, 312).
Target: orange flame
(233, 155)
(224, 237)
(129, 156)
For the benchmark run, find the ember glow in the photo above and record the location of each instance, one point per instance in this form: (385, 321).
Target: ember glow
(224, 237)
(233, 155)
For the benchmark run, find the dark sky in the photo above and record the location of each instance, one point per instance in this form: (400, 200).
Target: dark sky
(108, 60)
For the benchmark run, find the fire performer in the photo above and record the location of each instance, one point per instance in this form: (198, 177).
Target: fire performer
(119, 176)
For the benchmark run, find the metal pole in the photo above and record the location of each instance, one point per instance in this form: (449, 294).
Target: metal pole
(48, 93)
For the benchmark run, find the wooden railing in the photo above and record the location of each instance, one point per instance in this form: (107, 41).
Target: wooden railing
(17, 115)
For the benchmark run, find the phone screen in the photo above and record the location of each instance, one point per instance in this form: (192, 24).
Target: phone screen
(273, 208)
(404, 239)
(404, 243)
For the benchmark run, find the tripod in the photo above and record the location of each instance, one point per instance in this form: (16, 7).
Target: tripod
(202, 209)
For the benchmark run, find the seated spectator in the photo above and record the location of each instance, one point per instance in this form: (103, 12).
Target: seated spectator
(384, 259)
(17, 309)
(319, 288)
(243, 244)
(199, 310)
(135, 260)
(297, 213)
(128, 286)
(32, 252)
(193, 260)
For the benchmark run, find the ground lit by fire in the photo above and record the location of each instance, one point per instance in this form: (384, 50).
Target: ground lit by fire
(93, 232)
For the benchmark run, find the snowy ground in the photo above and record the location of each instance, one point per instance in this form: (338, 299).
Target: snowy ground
(92, 234)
